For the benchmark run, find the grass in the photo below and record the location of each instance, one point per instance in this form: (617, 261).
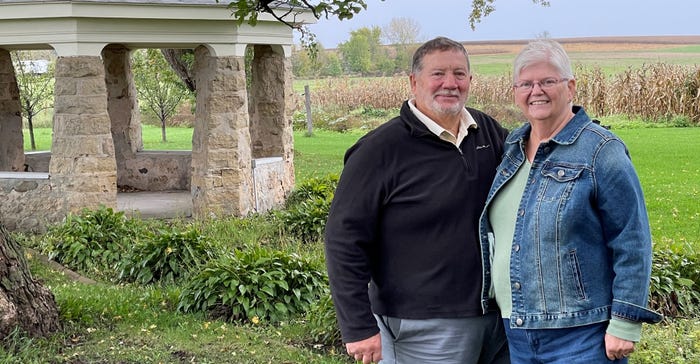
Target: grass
(665, 158)
(322, 153)
(669, 170)
(177, 138)
(130, 324)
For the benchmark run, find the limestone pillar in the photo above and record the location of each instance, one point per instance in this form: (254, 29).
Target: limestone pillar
(271, 124)
(222, 182)
(11, 142)
(122, 106)
(82, 164)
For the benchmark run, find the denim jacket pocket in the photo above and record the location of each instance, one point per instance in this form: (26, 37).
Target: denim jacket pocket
(559, 180)
(577, 276)
(562, 172)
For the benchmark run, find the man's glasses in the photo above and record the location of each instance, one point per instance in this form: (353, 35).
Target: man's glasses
(547, 83)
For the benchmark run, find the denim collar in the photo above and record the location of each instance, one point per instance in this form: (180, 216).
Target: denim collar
(567, 135)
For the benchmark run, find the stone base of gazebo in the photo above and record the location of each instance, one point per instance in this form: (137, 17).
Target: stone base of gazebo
(242, 148)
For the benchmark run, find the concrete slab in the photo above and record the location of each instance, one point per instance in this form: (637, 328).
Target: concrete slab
(161, 204)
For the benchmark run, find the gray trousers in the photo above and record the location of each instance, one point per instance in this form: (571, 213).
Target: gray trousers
(472, 340)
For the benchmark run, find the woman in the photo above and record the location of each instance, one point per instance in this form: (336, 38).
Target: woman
(565, 233)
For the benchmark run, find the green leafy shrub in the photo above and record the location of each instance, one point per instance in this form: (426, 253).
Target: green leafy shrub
(167, 257)
(306, 209)
(670, 342)
(316, 187)
(93, 241)
(323, 324)
(675, 282)
(254, 284)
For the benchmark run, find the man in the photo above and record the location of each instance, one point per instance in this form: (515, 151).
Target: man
(402, 244)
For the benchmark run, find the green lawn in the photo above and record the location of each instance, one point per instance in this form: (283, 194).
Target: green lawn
(668, 163)
(139, 324)
(666, 159)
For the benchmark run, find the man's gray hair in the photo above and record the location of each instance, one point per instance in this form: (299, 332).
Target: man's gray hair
(440, 44)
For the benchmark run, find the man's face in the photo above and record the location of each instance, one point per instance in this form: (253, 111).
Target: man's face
(441, 87)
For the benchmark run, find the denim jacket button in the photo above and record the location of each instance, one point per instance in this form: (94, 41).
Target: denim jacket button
(516, 285)
(519, 322)
(561, 173)
(521, 212)
(516, 247)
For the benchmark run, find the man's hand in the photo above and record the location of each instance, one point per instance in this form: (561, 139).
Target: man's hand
(616, 348)
(366, 351)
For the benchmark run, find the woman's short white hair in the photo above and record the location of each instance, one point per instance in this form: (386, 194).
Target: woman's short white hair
(543, 50)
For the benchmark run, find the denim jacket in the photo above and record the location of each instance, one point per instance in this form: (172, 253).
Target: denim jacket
(581, 248)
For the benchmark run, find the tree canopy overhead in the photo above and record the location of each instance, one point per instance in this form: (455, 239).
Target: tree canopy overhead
(286, 10)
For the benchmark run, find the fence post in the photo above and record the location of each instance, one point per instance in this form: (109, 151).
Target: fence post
(307, 97)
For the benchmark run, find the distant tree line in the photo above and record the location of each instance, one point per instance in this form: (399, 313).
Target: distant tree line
(371, 51)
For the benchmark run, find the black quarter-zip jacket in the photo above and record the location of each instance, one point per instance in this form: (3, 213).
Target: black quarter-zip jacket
(404, 219)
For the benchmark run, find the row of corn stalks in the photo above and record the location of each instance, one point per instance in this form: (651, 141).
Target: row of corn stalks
(653, 92)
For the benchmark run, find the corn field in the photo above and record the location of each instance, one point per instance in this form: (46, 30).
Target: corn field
(652, 92)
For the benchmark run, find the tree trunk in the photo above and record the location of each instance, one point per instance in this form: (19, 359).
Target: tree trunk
(24, 302)
(176, 59)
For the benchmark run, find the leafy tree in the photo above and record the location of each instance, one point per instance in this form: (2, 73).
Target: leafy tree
(35, 81)
(159, 89)
(363, 52)
(402, 31)
(403, 34)
(482, 9)
(182, 62)
(304, 64)
(286, 11)
(332, 66)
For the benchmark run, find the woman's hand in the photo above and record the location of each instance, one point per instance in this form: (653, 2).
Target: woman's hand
(616, 348)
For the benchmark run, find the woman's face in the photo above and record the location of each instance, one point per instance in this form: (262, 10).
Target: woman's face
(549, 98)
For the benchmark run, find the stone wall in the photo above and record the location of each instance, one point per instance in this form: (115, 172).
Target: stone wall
(29, 202)
(97, 142)
(158, 171)
(83, 166)
(37, 161)
(270, 118)
(122, 105)
(147, 171)
(11, 141)
(268, 176)
(222, 180)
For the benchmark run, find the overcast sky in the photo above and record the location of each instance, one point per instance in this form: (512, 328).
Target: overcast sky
(522, 19)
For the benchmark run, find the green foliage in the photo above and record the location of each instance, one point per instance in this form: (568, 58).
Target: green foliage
(13, 344)
(93, 241)
(323, 325)
(247, 10)
(675, 282)
(306, 209)
(35, 87)
(671, 342)
(482, 8)
(130, 323)
(160, 90)
(323, 64)
(313, 188)
(254, 284)
(364, 54)
(167, 257)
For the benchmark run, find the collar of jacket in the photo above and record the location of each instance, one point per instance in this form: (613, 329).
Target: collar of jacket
(417, 128)
(566, 136)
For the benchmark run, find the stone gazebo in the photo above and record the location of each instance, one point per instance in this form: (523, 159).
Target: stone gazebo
(241, 160)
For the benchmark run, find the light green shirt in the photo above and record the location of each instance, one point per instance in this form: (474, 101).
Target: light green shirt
(502, 215)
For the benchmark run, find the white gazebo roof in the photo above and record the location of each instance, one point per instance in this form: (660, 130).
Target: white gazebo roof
(84, 27)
